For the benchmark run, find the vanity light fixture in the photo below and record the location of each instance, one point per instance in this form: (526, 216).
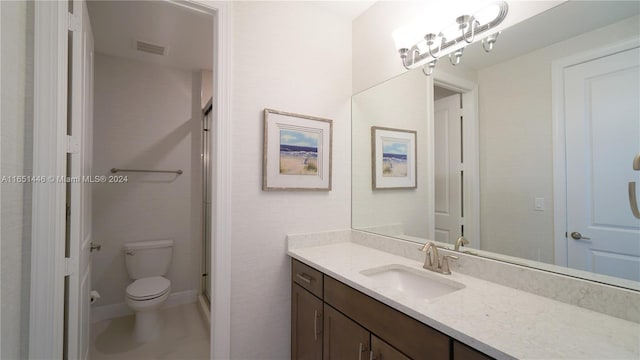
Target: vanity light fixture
(452, 39)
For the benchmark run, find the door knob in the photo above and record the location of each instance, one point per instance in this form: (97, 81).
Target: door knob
(577, 236)
(93, 248)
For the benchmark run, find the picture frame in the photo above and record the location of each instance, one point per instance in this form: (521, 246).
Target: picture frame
(393, 158)
(297, 152)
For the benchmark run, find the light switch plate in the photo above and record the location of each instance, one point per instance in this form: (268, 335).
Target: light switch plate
(539, 204)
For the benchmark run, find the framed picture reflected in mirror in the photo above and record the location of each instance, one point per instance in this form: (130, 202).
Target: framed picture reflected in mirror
(393, 158)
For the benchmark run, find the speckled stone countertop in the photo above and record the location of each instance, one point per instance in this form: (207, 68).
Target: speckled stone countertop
(500, 321)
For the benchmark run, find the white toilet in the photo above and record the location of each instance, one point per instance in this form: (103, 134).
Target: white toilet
(147, 262)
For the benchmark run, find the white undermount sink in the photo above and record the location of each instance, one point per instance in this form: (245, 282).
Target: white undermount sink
(413, 282)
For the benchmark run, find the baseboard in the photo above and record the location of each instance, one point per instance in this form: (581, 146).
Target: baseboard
(182, 298)
(105, 312)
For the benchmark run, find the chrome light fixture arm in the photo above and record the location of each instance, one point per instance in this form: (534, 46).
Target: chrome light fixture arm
(488, 42)
(404, 54)
(429, 67)
(464, 22)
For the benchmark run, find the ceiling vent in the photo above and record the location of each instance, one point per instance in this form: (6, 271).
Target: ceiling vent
(150, 48)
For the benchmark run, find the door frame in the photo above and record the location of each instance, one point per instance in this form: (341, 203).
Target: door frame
(48, 264)
(470, 154)
(559, 138)
(46, 299)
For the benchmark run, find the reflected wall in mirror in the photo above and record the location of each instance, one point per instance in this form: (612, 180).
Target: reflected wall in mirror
(401, 104)
(537, 171)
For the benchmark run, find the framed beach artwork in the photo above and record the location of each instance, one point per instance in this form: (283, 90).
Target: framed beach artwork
(393, 158)
(297, 152)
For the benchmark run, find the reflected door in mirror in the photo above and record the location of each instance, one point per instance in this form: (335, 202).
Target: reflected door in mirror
(448, 169)
(602, 135)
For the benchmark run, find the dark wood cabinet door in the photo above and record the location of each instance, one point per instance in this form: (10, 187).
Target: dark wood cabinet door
(343, 338)
(413, 338)
(463, 352)
(306, 325)
(383, 351)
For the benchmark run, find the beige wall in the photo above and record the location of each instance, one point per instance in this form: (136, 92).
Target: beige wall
(401, 104)
(296, 57)
(516, 155)
(207, 87)
(143, 120)
(16, 132)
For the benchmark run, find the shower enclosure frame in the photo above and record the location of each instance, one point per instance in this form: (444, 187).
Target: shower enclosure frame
(205, 286)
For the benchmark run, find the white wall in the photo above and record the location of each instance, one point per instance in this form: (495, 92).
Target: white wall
(400, 104)
(143, 120)
(296, 57)
(16, 153)
(516, 154)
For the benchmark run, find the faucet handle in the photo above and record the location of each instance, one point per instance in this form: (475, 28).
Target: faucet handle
(444, 263)
(431, 259)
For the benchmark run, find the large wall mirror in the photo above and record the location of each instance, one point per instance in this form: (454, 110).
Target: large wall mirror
(526, 151)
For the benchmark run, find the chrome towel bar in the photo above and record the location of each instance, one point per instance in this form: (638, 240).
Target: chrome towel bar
(115, 170)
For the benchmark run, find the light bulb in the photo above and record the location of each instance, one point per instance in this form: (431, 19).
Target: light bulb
(451, 32)
(487, 14)
(402, 38)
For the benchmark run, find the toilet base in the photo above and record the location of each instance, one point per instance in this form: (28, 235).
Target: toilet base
(148, 320)
(147, 326)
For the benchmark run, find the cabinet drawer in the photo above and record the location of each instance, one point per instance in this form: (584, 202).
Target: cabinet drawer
(307, 277)
(413, 338)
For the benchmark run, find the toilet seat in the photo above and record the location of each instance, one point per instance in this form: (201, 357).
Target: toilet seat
(148, 288)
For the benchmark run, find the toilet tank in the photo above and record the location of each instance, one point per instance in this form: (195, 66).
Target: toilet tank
(148, 258)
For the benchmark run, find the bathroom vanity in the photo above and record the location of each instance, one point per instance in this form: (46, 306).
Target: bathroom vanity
(500, 159)
(331, 319)
(343, 307)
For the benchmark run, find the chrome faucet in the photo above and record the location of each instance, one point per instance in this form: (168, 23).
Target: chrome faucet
(434, 262)
(461, 241)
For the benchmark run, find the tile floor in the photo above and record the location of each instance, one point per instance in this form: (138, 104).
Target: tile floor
(184, 335)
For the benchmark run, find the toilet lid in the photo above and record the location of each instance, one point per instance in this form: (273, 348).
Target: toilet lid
(148, 288)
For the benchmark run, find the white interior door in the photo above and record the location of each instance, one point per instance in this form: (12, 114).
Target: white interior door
(79, 169)
(448, 161)
(602, 115)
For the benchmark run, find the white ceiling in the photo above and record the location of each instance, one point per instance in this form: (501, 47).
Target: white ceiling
(187, 34)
